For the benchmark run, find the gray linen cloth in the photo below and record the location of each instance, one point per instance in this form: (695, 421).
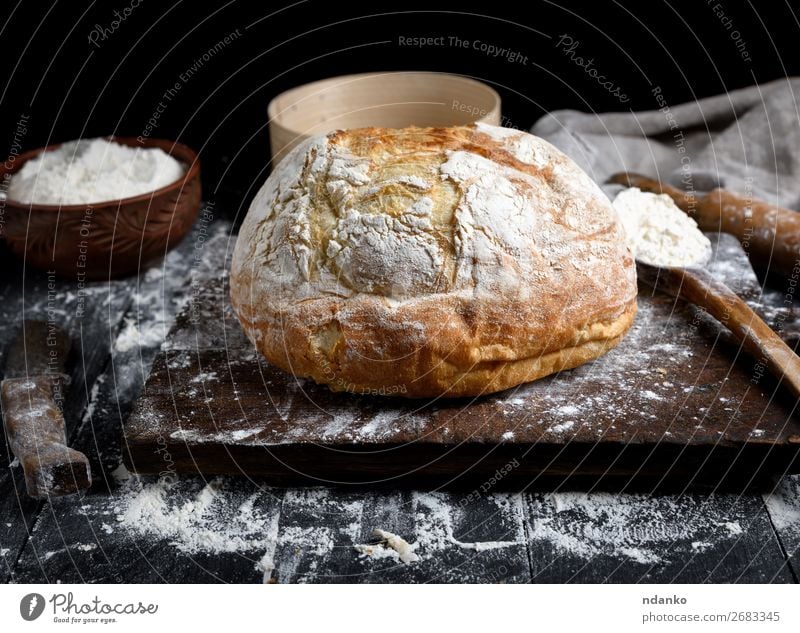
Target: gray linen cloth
(747, 141)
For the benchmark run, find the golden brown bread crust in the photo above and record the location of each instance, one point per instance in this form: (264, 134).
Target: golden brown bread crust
(427, 262)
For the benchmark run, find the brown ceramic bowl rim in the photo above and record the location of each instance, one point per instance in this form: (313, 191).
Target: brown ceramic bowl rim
(179, 151)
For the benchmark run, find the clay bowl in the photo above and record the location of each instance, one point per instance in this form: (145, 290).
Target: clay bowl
(105, 239)
(391, 99)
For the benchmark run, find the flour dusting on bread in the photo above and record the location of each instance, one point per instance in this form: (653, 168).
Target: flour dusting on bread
(444, 260)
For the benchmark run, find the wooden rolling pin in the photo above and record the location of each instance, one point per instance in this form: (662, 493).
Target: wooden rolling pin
(33, 381)
(770, 235)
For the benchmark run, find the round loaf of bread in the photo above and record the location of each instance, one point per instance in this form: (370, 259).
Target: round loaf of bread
(425, 262)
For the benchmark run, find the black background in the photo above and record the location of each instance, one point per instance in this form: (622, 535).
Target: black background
(71, 88)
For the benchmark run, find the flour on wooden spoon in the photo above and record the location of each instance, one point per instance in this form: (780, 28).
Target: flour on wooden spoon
(658, 232)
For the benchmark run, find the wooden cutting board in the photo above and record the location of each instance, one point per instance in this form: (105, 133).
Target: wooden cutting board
(676, 404)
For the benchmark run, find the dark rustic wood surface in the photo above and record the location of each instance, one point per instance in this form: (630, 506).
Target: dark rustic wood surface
(670, 405)
(479, 534)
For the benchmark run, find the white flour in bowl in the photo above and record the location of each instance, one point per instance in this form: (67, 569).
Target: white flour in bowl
(658, 232)
(90, 171)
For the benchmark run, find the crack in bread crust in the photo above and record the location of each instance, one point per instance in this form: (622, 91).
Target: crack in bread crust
(431, 261)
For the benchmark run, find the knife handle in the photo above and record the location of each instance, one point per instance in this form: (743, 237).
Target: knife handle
(36, 434)
(770, 235)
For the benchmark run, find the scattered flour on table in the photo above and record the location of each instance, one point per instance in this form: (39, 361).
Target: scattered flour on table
(640, 528)
(89, 171)
(784, 505)
(158, 298)
(733, 527)
(567, 409)
(218, 516)
(309, 525)
(434, 524)
(202, 518)
(88, 414)
(560, 428)
(132, 337)
(651, 395)
(205, 376)
(86, 547)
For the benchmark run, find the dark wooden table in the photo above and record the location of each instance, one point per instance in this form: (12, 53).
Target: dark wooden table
(309, 534)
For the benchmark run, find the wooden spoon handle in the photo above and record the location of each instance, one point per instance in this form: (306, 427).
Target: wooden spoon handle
(701, 288)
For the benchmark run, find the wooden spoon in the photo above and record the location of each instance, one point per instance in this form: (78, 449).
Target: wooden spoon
(698, 286)
(770, 235)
